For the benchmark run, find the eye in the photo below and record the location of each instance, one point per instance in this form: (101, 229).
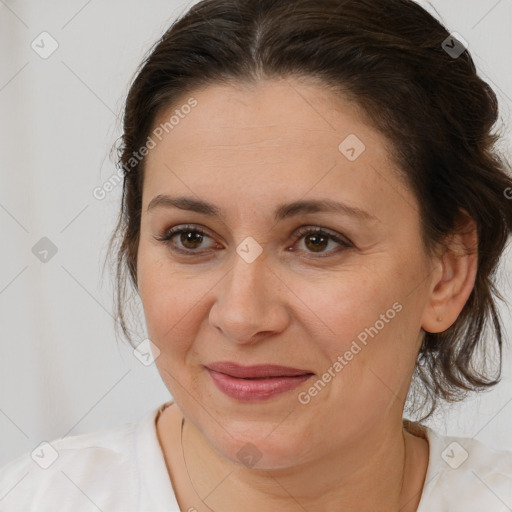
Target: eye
(192, 237)
(317, 239)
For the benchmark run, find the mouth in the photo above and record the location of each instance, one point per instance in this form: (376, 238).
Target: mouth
(260, 371)
(257, 382)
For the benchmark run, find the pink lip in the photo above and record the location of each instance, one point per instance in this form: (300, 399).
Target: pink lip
(259, 383)
(255, 371)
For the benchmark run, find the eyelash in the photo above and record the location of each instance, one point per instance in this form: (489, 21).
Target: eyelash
(166, 238)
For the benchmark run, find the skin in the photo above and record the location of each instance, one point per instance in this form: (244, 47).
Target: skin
(248, 149)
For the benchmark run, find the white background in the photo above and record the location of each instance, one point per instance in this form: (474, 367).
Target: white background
(61, 370)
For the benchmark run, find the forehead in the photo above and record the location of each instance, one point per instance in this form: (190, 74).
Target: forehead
(253, 116)
(276, 138)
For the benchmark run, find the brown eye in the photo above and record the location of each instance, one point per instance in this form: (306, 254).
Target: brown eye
(190, 237)
(189, 240)
(316, 240)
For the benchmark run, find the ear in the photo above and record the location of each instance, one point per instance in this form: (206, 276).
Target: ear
(454, 277)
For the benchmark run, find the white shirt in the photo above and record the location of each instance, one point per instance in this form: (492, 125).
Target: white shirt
(122, 469)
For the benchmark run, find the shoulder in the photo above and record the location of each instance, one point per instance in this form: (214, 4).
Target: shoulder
(466, 474)
(72, 470)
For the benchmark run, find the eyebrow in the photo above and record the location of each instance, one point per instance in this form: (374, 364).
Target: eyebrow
(282, 212)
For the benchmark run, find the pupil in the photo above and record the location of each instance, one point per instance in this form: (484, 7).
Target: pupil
(315, 244)
(187, 238)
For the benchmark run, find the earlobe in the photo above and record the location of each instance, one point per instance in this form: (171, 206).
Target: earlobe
(453, 279)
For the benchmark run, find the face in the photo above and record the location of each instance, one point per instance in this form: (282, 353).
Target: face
(344, 304)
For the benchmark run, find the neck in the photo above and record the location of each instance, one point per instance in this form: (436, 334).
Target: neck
(376, 471)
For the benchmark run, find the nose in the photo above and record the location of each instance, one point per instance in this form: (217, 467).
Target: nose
(250, 303)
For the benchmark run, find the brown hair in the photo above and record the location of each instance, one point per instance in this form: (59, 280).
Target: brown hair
(389, 57)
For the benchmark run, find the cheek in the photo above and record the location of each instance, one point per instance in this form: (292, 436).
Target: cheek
(343, 304)
(159, 294)
(365, 316)
(173, 301)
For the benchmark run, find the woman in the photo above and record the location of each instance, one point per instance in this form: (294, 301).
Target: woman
(312, 214)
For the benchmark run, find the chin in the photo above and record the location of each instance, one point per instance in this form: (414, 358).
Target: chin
(259, 446)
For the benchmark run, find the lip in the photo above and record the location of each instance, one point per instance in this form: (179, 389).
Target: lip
(255, 371)
(258, 382)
